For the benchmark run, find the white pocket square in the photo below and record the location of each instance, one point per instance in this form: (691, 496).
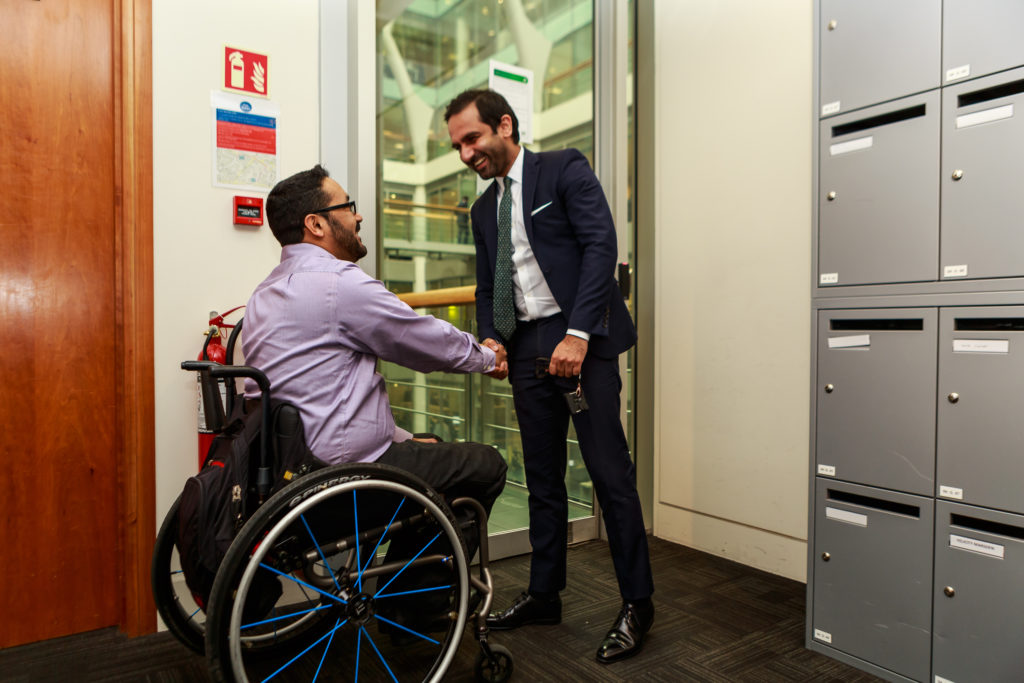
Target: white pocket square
(539, 209)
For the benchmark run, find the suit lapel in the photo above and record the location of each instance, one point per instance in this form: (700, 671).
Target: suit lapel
(531, 166)
(489, 211)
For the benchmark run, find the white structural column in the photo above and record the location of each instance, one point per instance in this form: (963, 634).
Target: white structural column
(533, 47)
(461, 46)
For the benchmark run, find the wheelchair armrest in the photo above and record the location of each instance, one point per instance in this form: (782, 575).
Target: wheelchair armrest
(198, 365)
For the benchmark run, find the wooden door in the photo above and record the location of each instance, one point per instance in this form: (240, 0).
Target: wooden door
(71, 508)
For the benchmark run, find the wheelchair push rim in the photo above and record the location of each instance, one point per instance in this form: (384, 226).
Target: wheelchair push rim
(174, 602)
(345, 609)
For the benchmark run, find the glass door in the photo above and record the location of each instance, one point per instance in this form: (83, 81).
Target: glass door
(430, 52)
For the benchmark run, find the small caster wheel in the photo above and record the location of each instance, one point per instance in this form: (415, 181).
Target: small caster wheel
(494, 669)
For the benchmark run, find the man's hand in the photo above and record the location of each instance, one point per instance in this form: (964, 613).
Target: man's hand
(500, 370)
(567, 360)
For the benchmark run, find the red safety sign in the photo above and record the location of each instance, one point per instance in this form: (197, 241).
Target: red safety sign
(245, 71)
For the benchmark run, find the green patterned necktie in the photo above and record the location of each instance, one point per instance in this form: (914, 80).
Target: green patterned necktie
(504, 303)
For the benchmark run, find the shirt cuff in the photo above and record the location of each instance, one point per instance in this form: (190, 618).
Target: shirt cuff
(492, 359)
(585, 336)
(400, 435)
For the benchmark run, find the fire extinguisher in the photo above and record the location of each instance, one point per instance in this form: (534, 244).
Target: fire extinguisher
(211, 393)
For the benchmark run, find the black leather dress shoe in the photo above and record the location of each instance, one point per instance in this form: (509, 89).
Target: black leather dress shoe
(626, 636)
(526, 610)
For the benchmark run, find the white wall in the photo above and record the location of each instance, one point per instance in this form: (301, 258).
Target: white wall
(201, 261)
(733, 244)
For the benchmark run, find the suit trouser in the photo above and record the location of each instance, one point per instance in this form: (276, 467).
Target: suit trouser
(543, 416)
(454, 470)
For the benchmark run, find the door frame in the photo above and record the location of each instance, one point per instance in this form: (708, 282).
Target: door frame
(131, 44)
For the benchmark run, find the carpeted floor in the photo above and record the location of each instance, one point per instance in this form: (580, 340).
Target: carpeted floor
(716, 620)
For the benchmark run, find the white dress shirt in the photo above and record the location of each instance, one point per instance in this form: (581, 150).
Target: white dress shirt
(533, 297)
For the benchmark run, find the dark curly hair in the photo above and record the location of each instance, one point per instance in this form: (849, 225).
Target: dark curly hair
(292, 200)
(491, 106)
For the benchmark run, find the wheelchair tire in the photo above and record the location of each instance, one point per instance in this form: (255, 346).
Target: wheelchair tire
(174, 603)
(314, 537)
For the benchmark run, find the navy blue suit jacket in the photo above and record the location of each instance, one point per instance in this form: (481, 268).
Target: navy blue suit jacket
(572, 235)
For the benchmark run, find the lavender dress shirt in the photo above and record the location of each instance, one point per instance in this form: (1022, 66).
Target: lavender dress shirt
(316, 327)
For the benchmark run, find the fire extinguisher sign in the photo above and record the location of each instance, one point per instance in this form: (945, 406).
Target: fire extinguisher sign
(245, 71)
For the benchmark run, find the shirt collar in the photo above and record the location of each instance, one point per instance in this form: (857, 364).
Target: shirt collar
(304, 249)
(516, 172)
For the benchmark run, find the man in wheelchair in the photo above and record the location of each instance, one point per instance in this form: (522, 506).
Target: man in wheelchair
(316, 327)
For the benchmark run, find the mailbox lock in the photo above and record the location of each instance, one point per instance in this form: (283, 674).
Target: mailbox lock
(832, 196)
(832, 25)
(826, 557)
(953, 397)
(958, 174)
(829, 388)
(948, 590)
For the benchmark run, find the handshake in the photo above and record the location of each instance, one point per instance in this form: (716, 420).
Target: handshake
(500, 370)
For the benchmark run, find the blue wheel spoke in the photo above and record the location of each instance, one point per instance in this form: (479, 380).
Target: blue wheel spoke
(191, 616)
(327, 649)
(286, 616)
(355, 511)
(406, 565)
(381, 539)
(382, 661)
(320, 552)
(407, 630)
(303, 583)
(418, 590)
(359, 644)
(314, 644)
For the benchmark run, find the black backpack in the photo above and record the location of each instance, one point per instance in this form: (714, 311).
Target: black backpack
(217, 501)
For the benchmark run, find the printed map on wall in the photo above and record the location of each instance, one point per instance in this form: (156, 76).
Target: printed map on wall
(244, 142)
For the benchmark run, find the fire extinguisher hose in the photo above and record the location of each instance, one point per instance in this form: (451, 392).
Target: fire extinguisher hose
(213, 407)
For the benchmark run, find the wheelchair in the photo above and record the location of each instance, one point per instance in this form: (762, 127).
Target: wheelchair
(309, 589)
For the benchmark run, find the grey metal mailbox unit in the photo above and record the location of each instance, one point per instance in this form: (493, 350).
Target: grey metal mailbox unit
(875, 397)
(879, 194)
(980, 37)
(982, 166)
(979, 595)
(915, 567)
(980, 449)
(872, 575)
(877, 50)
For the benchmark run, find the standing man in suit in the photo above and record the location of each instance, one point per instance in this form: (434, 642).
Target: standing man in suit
(545, 257)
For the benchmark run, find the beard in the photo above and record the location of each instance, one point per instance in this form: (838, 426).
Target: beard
(495, 160)
(349, 241)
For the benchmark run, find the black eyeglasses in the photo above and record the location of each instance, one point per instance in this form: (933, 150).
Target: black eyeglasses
(346, 205)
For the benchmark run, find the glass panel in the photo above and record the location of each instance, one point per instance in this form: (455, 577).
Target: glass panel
(431, 52)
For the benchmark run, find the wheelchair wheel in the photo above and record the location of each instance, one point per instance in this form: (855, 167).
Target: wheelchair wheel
(307, 591)
(174, 602)
(496, 668)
